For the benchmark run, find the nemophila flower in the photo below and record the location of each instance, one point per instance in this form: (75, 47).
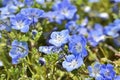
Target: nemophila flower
(49, 49)
(5, 2)
(107, 71)
(28, 3)
(42, 61)
(40, 1)
(84, 22)
(65, 8)
(54, 16)
(2, 27)
(6, 12)
(113, 29)
(96, 35)
(59, 38)
(117, 77)
(94, 71)
(72, 27)
(5, 25)
(72, 62)
(20, 22)
(115, 8)
(94, 1)
(82, 31)
(77, 45)
(32, 13)
(117, 41)
(18, 3)
(19, 50)
(116, 1)
(75, 17)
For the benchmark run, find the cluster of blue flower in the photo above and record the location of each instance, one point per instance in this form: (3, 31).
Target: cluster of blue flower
(103, 72)
(19, 15)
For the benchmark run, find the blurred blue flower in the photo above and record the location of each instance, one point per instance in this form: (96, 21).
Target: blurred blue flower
(7, 12)
(115, 8)
(54, 16)
(18, 3)
(116, 1)
(40, 1)
(77, 45)
(5, 2)
(72, 27)
(82, 31)
(94, 71)
(28, 3)
(84, 22)
(72, 62)
(5, 25)
(117, 77)
(117, 41)
(65, 8)
(20, 22)
(96, 35)
(19, 50)
(94, 1)
(113, 29)
(107, 71)
(59, 38)
(32, 13)
(49, 49)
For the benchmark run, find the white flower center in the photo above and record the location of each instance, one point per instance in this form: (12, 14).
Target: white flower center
(20, 24)
(59, 38)
(78, 47)
(73, 63)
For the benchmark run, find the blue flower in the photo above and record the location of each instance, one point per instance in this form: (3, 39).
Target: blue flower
(72, 27)
(54, 16)
(7, 12)
(82, 31)
(113, 29)
(32, 13)
(84, 22)
(49, 49)
(94, 1)
(107, 71)
(5, 25)
(65, 8)
(40, 1)
(117, 77)
(96, 35)
(20, 22)
(18, 3)
(29, 3)
(77, 45)
(59, 38)
(94, 71)
(19, 50)
(72, 62)
(117, 41)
